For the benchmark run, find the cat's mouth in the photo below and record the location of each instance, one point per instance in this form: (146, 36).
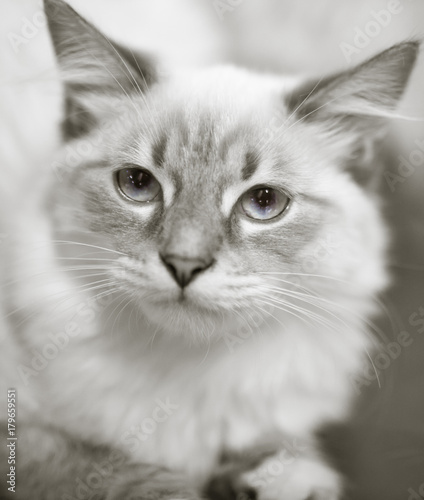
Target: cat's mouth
(184, 301)
(203, 308)
(183, 315)
(188, 312)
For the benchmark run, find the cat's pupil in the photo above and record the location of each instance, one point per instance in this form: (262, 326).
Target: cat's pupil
(265, 198)
(139, 178)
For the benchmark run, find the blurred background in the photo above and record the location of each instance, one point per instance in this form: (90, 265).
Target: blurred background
(383, 448)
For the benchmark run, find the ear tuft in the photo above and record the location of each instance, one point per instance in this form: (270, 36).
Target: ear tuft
(94, 69)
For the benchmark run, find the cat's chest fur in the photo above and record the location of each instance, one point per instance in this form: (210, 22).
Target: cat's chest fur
(179, 405)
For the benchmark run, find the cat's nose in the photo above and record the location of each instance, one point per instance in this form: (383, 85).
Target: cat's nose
(183, 269)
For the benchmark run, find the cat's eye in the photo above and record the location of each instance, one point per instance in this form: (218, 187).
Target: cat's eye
(264, 203)
(138, 184)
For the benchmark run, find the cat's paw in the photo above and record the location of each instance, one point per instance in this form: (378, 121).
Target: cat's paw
(287, 478)
(279, 478)
(149, 483)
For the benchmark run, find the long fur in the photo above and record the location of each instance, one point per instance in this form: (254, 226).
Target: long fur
(267, 343)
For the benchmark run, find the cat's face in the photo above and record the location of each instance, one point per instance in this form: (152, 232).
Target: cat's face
(222, 199)
(195, 180)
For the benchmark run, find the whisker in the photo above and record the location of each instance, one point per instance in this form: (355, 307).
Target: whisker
(305, 298)
(122, 88)
(59, 303)
(77, 289)
(272, 316)
(96, 259)
(310, 314)
(301, 287)
(305, 274)
(120, 313)
(132, 79)
(319, 320)
(310, 300)
(87, 245)
(263, 301)
(115, 308)
(56, 274)
(294, 111)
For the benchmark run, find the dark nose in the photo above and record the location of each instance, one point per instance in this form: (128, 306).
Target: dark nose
(184, 270)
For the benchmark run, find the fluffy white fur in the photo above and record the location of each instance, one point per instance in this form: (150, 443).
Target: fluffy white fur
(291, 376)
(284, 380)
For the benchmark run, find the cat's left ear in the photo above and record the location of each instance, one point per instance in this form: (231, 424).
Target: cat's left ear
(97, 73)
(350, 110)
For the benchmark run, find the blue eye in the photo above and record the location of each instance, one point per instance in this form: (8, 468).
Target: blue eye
(138, 184)
(264, 203)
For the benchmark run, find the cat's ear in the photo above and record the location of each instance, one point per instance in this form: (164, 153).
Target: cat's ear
(95, 70)
(351, 109)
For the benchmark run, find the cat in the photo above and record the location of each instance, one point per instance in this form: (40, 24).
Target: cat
(191, 305)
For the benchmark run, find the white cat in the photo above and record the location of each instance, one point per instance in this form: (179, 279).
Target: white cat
(191, 303)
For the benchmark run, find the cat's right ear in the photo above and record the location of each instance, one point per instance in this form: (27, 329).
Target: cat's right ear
(350, 111)
(96, 72)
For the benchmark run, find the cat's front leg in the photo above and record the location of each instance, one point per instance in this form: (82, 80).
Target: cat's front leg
(148, 482)
(51, 465)
(291, 473)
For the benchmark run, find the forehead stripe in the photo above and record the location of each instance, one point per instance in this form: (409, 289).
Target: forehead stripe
(250, 166)
(159, 149)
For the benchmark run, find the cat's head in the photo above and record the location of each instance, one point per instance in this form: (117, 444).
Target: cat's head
(223, 191)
